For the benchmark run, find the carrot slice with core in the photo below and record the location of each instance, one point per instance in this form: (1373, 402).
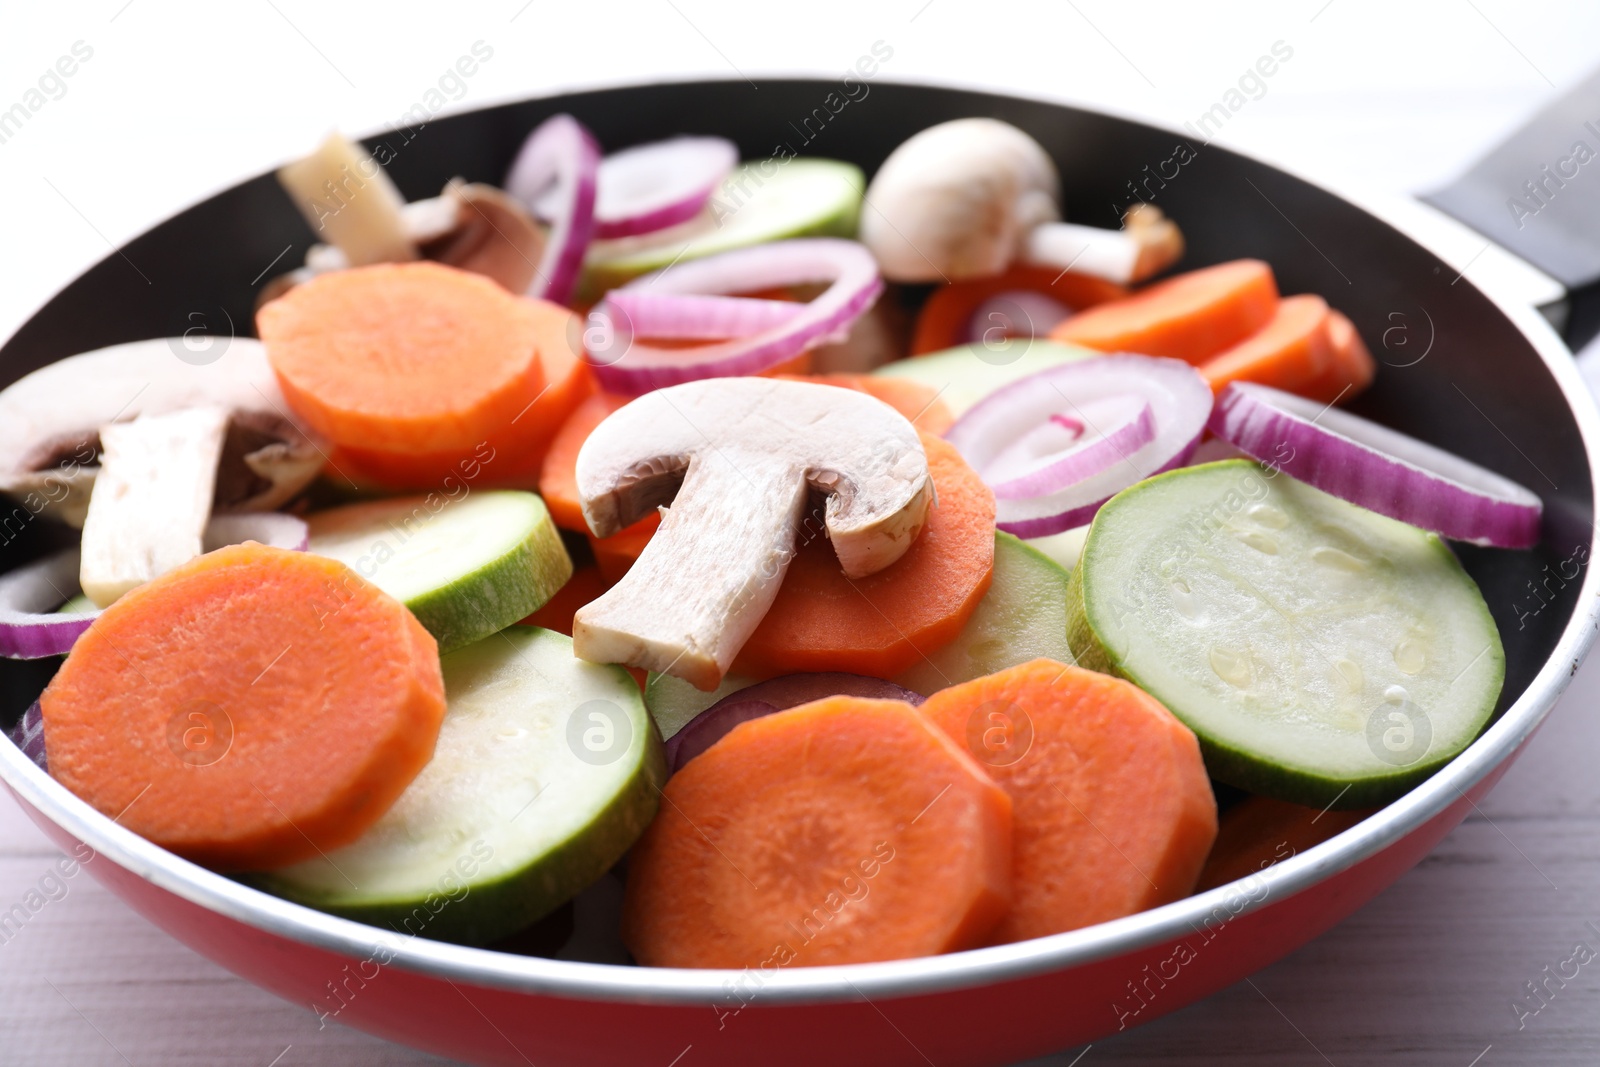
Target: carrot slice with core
(882, 624)
(1191, 316)
(405, 357)
(841, 831)
(1353, 367)
(1113, 812)
(509, 460)
(250, 709)
(946, 318)
(1293, 352)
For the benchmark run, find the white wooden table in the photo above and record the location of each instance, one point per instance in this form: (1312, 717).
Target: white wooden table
(1380, 94)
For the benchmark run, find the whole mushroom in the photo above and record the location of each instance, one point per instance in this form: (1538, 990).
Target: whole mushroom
(967, 198)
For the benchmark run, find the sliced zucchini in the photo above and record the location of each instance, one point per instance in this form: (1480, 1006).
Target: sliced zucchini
(966, 374)
(1324, 654)
(762, 201)
(672, 702)
(546, 770)
(466, 568)
(1022, 617)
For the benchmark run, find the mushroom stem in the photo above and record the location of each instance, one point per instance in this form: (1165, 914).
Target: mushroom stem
(1147, 244)
(742, 456)
(350, 201)
(151, 500)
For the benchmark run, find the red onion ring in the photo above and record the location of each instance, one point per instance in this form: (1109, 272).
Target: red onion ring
(1118, 425)
(624, 365)
(652, 186)
(1179, 402)
(1015, 313)
(698, 318)
(28, 735)
(30, 628)
(1380, 469)
(558, 164)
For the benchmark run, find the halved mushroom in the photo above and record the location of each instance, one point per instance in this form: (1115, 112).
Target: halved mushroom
(965, 198)
(737, 458)
(96, 440)
(346, 196)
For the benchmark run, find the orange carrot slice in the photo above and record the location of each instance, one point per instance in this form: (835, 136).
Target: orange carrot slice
(882, 624)
(1293, 352)
(1258, 832)
(1113, 812)
(947, 316)
(1353, 367)
(509, 460)
(251, 709)
(585, 584)
(558, 475)
(1190, 316)
(405, 357)
(841, 831)
(917, 401)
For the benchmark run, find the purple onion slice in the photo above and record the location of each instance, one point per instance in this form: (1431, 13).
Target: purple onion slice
(1380, 469)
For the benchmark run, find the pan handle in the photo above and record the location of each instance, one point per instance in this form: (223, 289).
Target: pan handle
(1537, 194)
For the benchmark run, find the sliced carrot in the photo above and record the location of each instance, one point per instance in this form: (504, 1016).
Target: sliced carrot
(882, 624)
(252, 708)
(510, 460)
(1191, 316)
(1258, 832)
(917, 401)
(841, 831)
(558, 475)
(1294, 351)
(946, 318)
(1113, 812)
(585, 584)
(405, 357)
(1353, 367)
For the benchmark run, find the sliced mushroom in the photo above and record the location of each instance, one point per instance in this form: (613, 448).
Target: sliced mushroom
(349, 199)
(737, 458)
(966, 198)
(478, 228)
(151, 500)
(53, 426)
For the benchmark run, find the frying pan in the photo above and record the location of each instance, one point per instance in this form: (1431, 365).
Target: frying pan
(1494, 383)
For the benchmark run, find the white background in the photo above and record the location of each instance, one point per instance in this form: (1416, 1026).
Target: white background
(181, 99)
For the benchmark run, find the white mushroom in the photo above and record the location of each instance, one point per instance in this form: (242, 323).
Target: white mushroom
(352, 203)
(738, 459)
(139, 446)
(966, 198)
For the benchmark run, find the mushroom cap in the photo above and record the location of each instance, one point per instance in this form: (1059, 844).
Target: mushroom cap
(864, 456)
(957, 200)
(50, 423)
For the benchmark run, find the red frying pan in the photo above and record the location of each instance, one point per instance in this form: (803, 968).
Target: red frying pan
(1497, 386)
